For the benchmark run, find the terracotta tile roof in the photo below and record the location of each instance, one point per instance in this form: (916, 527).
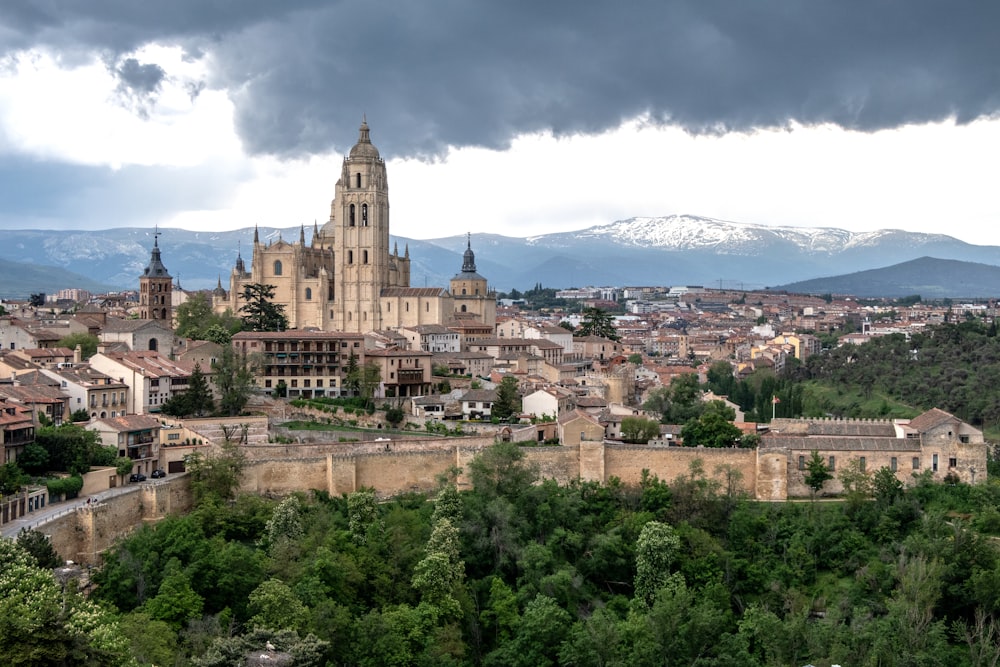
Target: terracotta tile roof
(930, 419)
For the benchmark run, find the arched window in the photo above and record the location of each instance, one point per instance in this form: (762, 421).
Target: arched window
(477, 291)
(463, 291)
(163, 314)
(463, 309)
(153, 344)
(351, 223)
(427, 307)
(350, 257)
(277, 267)
(357, 179)
(364, 215)
(364, 256)
(388, 306)
(348, 316)
(309, 293)
(407, 306)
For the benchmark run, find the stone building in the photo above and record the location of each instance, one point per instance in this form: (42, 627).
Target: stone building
(935, 443)
(155, 289)
(347, 278)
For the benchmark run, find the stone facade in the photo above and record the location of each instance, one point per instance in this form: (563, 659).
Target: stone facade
(347, 278)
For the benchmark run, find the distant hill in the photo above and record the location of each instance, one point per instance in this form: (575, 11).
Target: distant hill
(670, 250)
(929, 277)
(19, 280)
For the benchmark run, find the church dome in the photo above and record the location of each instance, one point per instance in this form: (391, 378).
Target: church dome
(364, 148)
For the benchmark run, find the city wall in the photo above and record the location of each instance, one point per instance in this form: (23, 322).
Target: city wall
(82, 535)
(393, 467)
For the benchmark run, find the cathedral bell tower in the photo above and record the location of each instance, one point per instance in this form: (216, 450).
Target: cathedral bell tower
(359, 220)
(156, 288)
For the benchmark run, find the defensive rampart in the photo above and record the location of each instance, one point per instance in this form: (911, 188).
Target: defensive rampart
(84, 534)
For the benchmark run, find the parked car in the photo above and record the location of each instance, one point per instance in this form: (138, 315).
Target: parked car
(158, 473)
(137, 477)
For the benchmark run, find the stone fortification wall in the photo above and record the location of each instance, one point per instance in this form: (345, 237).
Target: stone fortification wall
(628, 461)
(855, 428)
(83, 534)
(417, 469)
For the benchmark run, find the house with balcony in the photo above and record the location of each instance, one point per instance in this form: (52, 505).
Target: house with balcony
(151, 377)
(17, 423)
(302, 364)
(404, 372)
(40, 396)
(134, 436)
(88, 389)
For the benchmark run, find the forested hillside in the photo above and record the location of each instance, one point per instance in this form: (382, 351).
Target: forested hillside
(954, 367)
(518, 573)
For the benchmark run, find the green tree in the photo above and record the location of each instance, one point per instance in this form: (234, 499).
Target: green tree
(597, 322)
(364, 379)
(508, 401)
(639, 430)
(258, 312)
(655, 552)
(45, 623)
(540, 632)
(234, 380)
(713, 428)
(817, 473)
(196, 400)
(275, 606)
(12, 478)
(175, 602)
(87, 342)
(218, 474)
(364, 520)
(395, 416)
(72, 448)
(40, 547)
(193, 316)
(635, 358)
(501, 470)
(34, 459)
(285, 524)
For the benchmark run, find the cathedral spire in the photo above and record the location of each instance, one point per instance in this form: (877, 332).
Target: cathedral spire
(302, 235)
(469, 259)
(256, 236)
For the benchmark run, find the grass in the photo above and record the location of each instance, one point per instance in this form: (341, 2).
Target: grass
(819, 400)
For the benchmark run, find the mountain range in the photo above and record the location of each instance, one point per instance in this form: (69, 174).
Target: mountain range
(671, 250)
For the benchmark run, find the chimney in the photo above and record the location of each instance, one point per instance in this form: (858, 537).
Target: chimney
(78, 354)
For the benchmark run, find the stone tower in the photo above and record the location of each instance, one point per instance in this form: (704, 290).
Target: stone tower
(155, 288)
(470, 290)
(358, 235)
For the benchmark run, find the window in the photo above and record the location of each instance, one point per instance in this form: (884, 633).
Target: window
(309, 294)
(833, 463)
(802, 463)
(863, 464)
(934, 462)
(952, 462)
(277, 267)
(350, 257)
(351, 216)
(964, 439)
(295, 383)
(916, 463)
(364, 215)
(892, 464)
(357, 180)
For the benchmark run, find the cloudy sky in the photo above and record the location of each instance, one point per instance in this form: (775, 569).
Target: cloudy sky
(510, 117)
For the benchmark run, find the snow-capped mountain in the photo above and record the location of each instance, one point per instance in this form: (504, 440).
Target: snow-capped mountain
(670, 250)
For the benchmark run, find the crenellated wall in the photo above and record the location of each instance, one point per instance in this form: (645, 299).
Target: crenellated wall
(84, 534)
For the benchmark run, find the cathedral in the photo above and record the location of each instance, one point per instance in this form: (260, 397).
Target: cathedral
(347, 278)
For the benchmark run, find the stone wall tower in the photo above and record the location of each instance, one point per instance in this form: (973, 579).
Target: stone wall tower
(155, 289)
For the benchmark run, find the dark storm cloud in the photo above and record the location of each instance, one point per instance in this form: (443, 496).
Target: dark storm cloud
(433, 73)
(39, 194)
(139, 78)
